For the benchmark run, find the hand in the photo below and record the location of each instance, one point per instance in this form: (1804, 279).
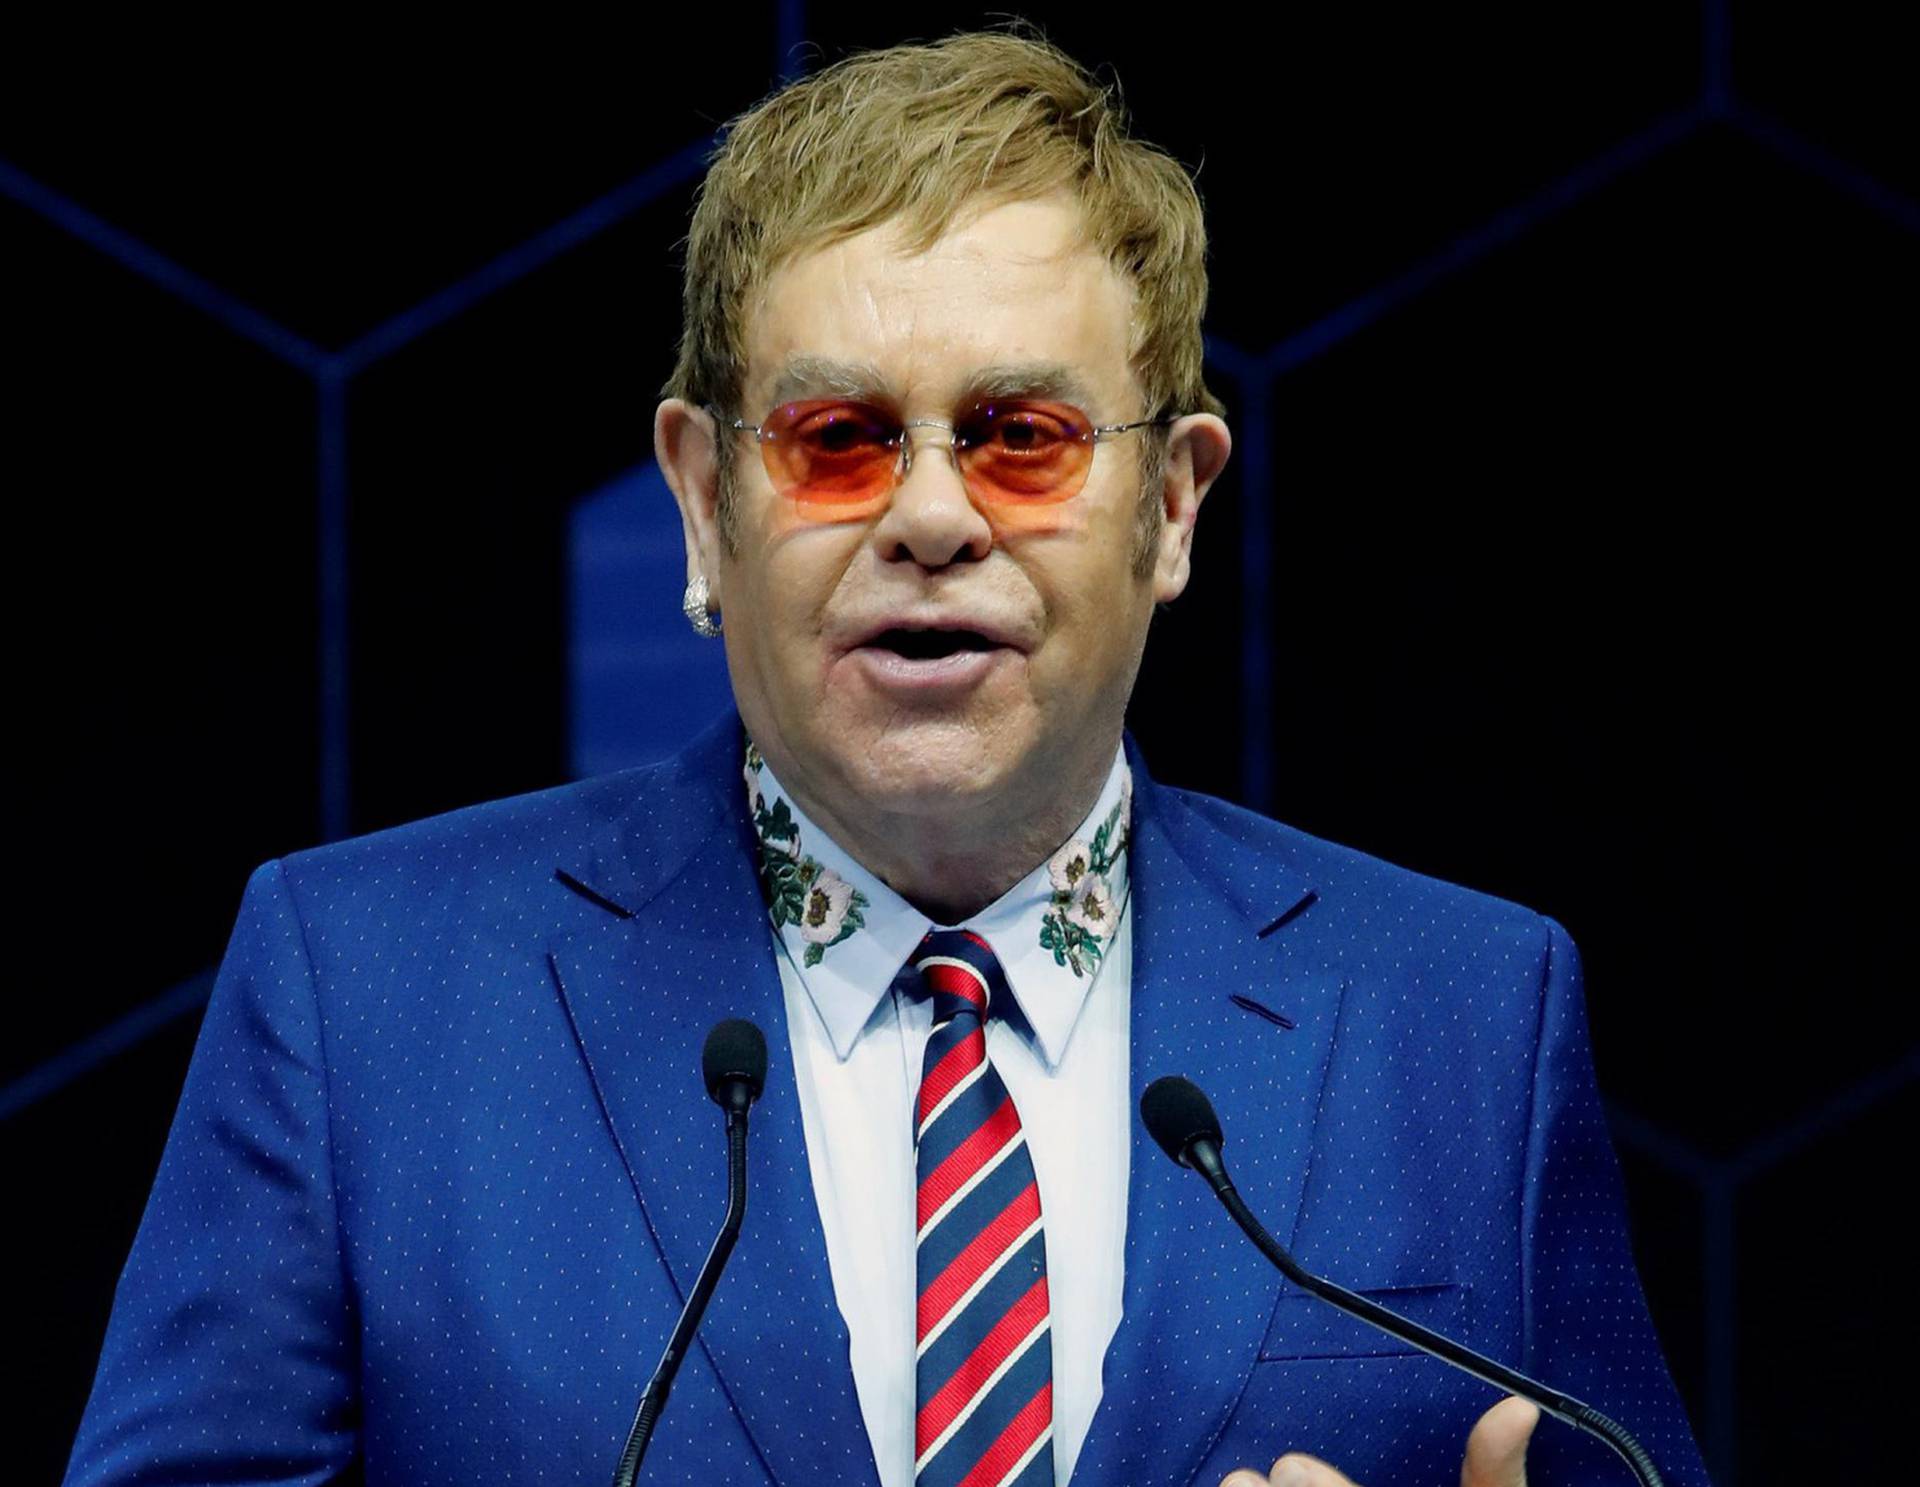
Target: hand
(1496, 1455)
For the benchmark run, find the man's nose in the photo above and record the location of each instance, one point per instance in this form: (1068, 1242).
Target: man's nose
(931, 519)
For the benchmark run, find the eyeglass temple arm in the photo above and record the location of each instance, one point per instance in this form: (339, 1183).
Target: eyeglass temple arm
(1103, 429)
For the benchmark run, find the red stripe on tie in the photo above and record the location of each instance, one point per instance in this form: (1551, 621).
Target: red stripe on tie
(958, 1062)
(966, 1159)
(968, 985)
(977, 1258)
(1021, 1432)
(995, 1348)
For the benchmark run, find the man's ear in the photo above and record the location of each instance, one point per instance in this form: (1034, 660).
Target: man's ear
(684, 444)
(1197, 450)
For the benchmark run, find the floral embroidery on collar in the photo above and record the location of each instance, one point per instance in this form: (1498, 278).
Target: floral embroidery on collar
(821, 904)
(1083, 911)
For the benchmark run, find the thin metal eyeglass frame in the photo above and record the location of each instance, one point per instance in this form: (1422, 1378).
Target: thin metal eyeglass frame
(1096, 433)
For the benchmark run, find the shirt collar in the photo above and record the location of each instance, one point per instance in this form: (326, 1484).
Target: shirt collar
(848, 934)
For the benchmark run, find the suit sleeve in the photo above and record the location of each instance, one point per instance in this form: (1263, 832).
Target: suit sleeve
(229, 1356)
(1587, 1327)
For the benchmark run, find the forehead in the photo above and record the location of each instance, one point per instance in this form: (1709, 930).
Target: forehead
(1014, 287)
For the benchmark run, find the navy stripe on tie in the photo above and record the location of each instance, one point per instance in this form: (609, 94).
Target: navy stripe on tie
(983, 1411)
(959, 945)
(964, 1332)
(995, 1413)
(1039, 1471)
(970, 1215)
(967, 1113)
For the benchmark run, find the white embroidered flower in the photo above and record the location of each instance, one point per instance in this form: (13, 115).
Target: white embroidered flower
(828, 899)
(1126, 808)
(1091, 906)
(1069, 865)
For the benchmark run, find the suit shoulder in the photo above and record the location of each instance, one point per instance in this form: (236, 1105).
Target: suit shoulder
(1345, 877)
(511, 837)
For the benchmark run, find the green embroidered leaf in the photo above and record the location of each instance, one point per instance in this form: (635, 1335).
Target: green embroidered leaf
(1109, 841)
(812, 957)
(1072, 945)
(1053, 937)
(776, 823)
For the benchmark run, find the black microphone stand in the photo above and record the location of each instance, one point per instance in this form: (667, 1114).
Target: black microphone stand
(735, 1094)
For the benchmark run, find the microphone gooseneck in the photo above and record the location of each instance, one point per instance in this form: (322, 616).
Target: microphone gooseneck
(734, 1067)
(1180, 1118)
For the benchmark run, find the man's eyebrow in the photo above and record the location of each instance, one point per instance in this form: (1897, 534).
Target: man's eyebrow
(817, 376)
(822, 376)
(1052, 380)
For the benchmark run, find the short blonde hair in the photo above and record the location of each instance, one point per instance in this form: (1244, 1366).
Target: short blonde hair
(917, 136)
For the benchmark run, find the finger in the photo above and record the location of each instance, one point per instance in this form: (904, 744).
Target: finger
(1296, 1469)
(1292, 1470)
(1497, 1449)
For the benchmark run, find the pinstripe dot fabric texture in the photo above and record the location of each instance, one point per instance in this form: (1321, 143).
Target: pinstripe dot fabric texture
(443, 1169)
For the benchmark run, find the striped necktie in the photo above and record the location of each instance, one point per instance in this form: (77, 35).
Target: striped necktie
(984, 1376)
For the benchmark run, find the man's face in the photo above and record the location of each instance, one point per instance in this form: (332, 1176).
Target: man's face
(936, 651)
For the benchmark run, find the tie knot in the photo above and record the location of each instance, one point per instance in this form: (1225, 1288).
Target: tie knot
(959, 970)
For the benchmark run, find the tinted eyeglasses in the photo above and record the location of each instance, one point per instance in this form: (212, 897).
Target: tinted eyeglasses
(836, 456)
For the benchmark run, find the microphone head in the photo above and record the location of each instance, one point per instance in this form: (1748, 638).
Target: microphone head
(1177, 1114)
(736, 1052)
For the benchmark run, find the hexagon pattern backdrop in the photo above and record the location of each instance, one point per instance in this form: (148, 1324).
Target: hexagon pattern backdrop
(1569, 356)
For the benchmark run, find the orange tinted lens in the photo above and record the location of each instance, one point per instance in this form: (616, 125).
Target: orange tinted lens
(1024, 452)
(831, 452)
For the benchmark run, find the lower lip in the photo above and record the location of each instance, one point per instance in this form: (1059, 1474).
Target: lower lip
(894, 672)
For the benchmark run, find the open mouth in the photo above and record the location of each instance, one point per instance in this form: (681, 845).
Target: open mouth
(931, 645)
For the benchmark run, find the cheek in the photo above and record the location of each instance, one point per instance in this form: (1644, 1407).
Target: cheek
(790, 581)
(1014, 519)
(797, 516)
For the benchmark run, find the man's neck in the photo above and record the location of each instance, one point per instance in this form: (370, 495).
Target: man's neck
(950, 861)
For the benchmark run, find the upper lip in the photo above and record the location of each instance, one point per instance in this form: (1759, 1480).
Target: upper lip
(992, 630)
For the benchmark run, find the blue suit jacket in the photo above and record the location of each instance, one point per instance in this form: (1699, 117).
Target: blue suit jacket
(443, 1168)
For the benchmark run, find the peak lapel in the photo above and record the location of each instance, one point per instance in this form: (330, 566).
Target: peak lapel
(1198, 1296)
(642, 991)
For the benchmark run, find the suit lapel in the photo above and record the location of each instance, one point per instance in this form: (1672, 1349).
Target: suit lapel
(684, 942)
(1208, 916)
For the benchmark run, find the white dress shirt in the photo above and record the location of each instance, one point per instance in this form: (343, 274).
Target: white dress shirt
(857, 1048)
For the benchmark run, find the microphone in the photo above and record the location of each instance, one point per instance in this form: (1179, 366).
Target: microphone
(1180, 1118)
(734, 1066)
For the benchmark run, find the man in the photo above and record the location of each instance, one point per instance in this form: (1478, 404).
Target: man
(442, 1172)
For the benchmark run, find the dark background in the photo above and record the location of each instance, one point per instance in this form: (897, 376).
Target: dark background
(1570, 353)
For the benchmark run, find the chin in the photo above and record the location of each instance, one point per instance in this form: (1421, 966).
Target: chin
(932, 762)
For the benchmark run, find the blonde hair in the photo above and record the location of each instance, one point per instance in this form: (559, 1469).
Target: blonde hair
(916, 136)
